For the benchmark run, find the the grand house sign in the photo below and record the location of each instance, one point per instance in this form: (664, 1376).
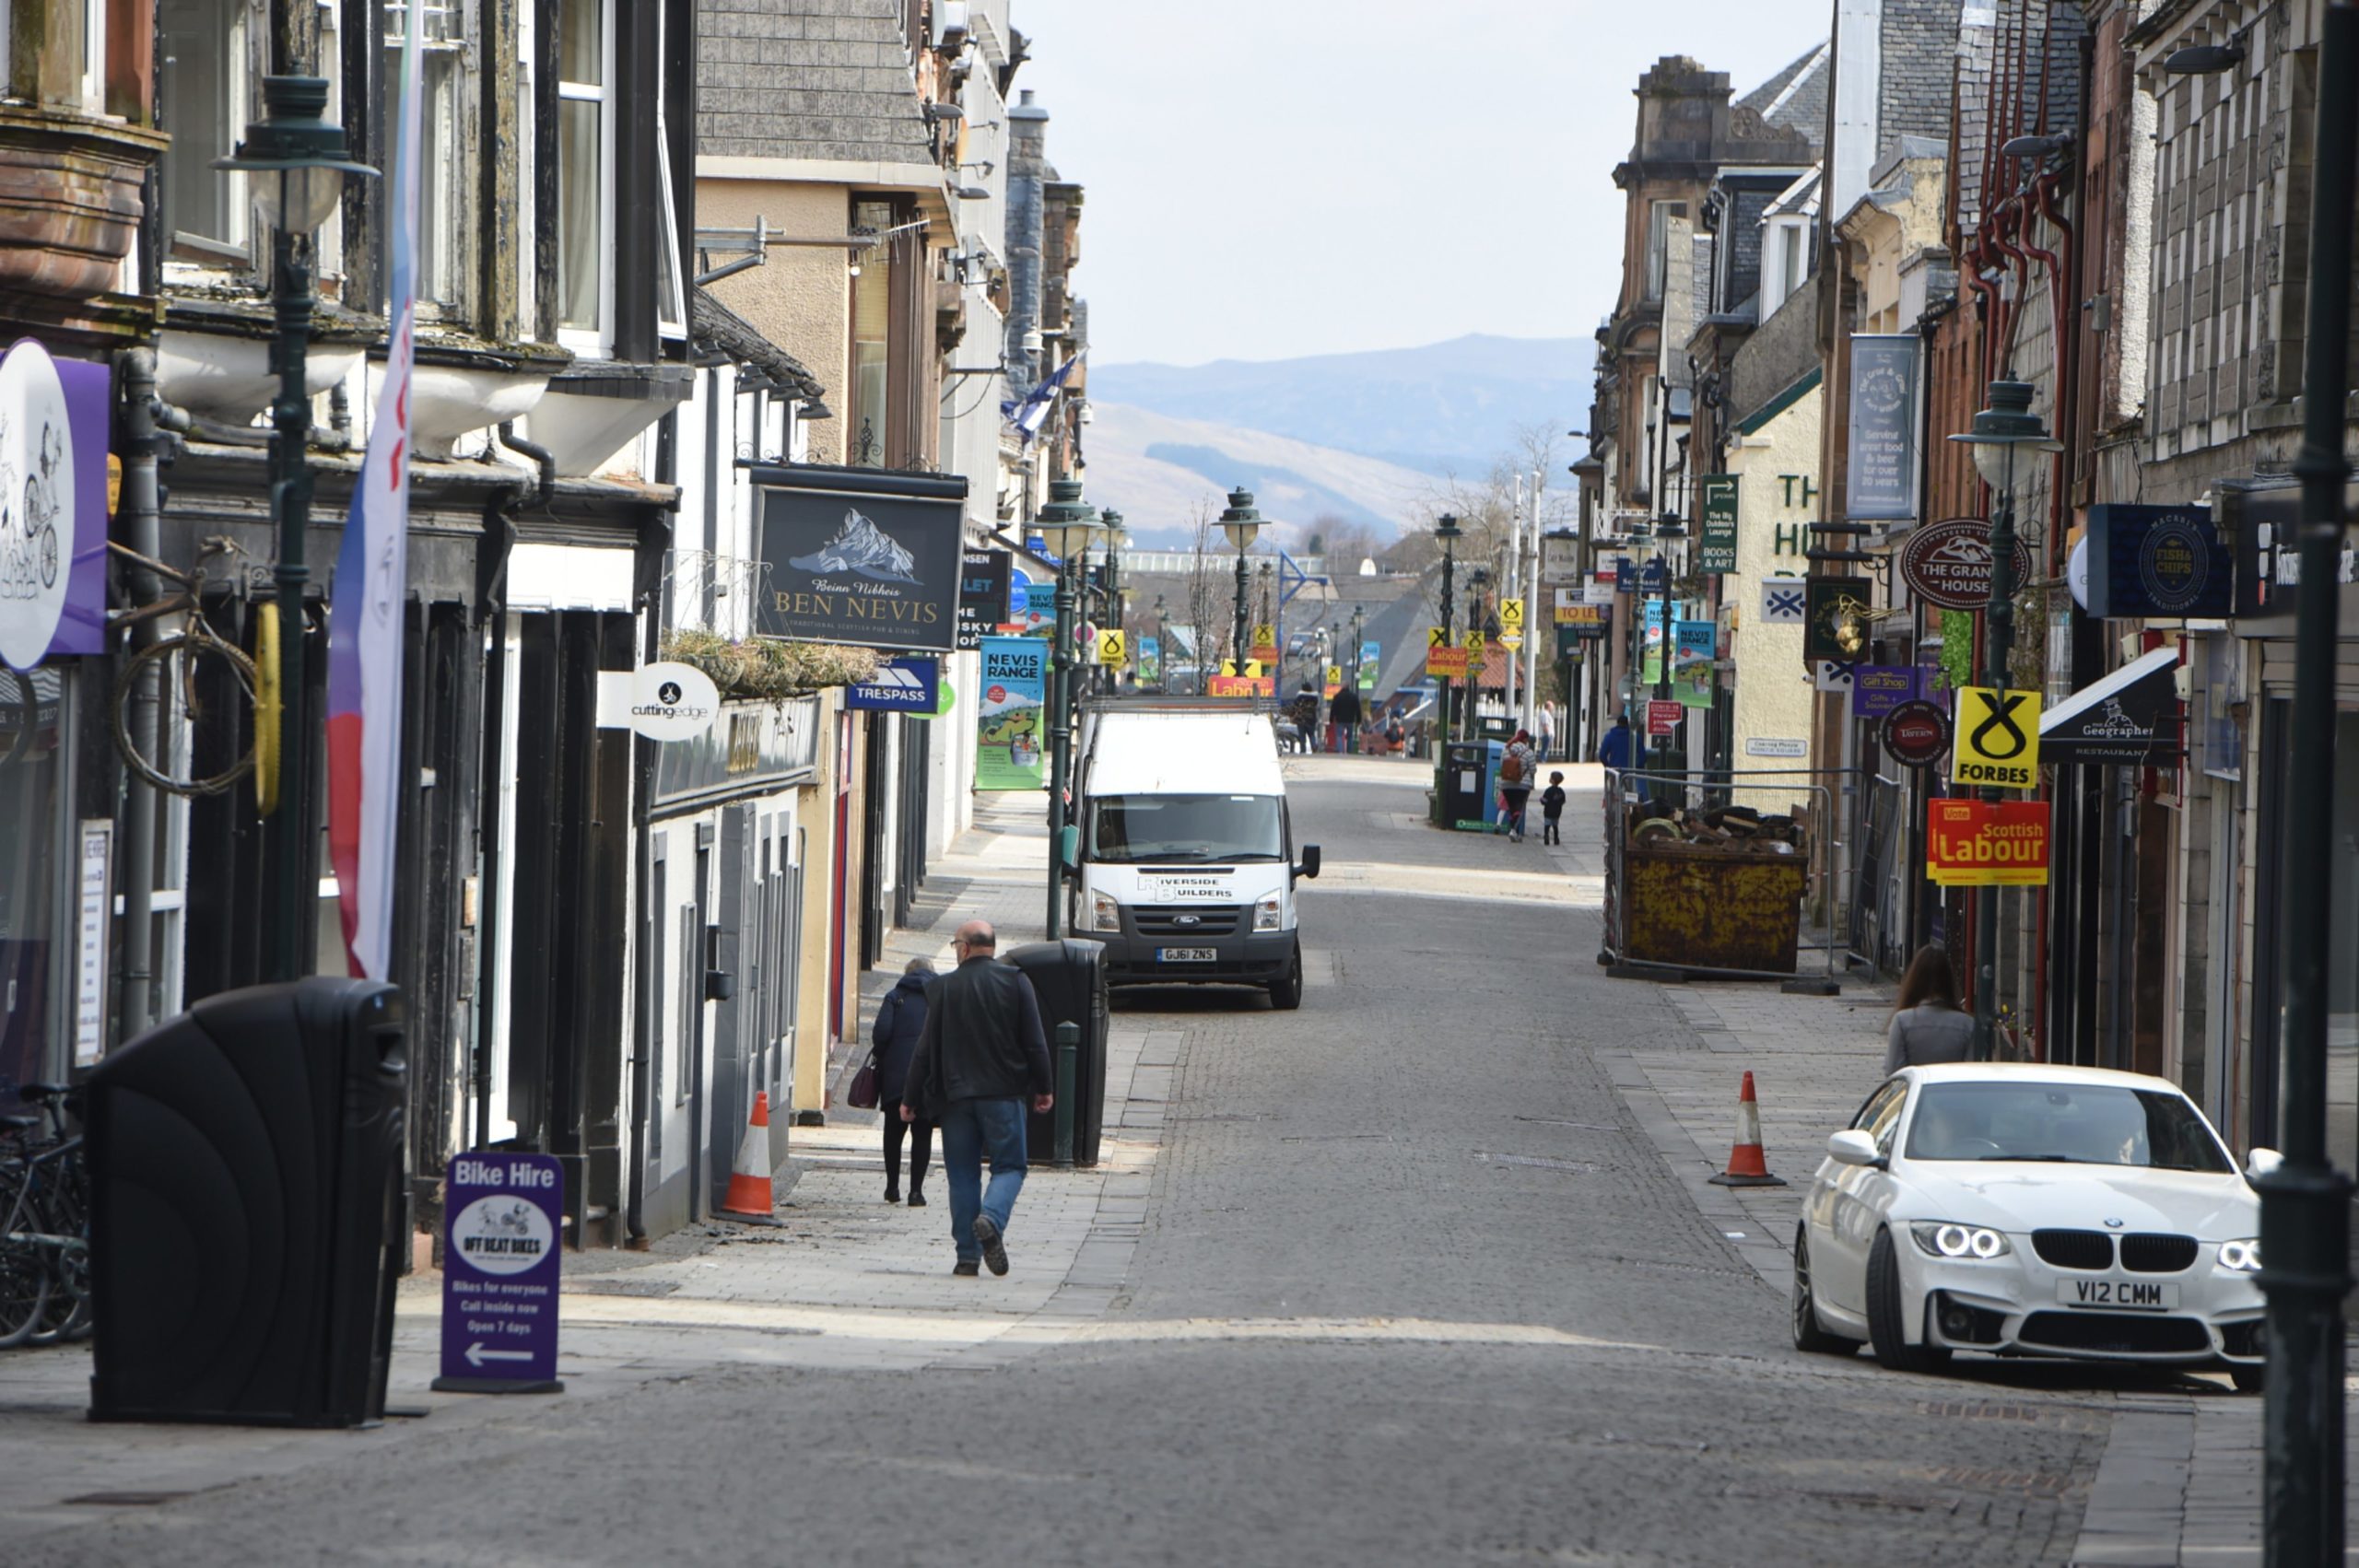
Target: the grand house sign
(862, 556)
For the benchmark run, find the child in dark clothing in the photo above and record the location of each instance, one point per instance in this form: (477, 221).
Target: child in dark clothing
(1552, 806)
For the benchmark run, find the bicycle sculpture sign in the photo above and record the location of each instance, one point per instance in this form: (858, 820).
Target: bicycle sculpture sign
(53, 508)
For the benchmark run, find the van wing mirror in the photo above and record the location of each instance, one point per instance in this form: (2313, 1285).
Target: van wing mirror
(1310, 866)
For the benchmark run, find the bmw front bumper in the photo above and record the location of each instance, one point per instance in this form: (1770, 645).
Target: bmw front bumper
(2011, 1305)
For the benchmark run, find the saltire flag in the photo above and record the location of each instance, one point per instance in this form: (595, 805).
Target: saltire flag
(1028, 416)
(371, 583)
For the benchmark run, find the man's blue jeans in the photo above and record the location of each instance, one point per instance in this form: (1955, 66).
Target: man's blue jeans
(970, 1130)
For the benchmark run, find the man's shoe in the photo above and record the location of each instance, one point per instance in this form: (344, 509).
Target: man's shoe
(891, 1195)
(994, 1252)
(916, 1199)
(966, 1269)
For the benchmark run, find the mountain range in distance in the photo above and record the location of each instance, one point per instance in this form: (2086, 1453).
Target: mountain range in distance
(1372, 438)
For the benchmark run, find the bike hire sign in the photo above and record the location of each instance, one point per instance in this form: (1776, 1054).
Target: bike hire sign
(1998, 739)
(502, 1215)
(53, 506)
(1987, 843)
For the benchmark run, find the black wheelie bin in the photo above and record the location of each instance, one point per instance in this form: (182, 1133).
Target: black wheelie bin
(1069, 978)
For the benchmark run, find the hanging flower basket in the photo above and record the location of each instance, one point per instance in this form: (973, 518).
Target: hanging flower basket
(766, 668)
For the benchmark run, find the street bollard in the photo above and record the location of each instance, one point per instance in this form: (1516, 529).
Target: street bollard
(1068, 1060)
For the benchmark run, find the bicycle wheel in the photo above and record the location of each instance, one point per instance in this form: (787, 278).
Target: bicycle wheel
(24, 1272)
(204, 690)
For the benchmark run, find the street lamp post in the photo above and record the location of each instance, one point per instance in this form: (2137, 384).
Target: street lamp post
(1352, 741)
(1667, 527)
(1446, 529)
(1241, 523)
(1162, 646)
(1477, 581)
(294, 157)
(1999, 430)
(1066, 525)
(1117, 538)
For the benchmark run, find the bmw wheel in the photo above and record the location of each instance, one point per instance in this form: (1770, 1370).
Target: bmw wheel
(1808, 1336)
(1885, 1317)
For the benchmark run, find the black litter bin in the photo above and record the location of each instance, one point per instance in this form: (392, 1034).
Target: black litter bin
(246, 1217)
(1465, 784)
(1069, 976)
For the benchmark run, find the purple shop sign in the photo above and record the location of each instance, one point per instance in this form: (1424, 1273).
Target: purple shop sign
(1877, 689)
(53, 530)
(502, 1217)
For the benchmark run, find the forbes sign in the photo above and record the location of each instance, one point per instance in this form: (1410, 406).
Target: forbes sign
(864, 556)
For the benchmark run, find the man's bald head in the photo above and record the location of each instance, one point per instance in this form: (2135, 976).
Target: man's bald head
(976, 936)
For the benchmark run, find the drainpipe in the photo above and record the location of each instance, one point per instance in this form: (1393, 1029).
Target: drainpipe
(146, 421)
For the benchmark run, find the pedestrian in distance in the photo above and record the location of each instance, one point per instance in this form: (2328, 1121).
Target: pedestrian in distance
(1517, 762)
(1552, 806)
(1618, 746)
(1547, 731)
(900, 1018)
(1926, 1027)
(980, 1055)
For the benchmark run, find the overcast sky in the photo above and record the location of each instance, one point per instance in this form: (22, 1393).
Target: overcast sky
(1273, 178)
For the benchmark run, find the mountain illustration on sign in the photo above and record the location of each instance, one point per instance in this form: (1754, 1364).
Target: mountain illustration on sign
(862, 547)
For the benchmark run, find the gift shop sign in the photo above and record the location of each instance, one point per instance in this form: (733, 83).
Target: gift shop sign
(1987, 843)
(502, 1216)
(1948, 564)
(53, 506)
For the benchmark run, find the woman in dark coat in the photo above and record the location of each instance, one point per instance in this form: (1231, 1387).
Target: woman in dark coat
(894, 1036)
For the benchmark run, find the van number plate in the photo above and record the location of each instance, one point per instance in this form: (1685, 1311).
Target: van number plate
(1188, 954)
(2149, 1295)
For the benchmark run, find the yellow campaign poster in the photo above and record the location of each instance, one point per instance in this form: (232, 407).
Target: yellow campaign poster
(1998, 739)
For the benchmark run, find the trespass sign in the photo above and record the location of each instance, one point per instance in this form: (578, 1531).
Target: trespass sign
(1987, 843)
(1998, 739)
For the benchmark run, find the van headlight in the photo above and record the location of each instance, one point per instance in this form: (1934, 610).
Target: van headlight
(1940, 1239)
(1265, 913)
(2240, 1257)
(1105, 915)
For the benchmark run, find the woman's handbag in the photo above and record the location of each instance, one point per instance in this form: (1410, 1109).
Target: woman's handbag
(862, 1093)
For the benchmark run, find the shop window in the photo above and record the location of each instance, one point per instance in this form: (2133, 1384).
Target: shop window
(872, 312)
(584, 150)
(209, 66)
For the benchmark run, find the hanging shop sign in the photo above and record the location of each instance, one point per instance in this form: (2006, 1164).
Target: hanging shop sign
(503, 1215)
(1987, 843)
(865, 556)
(1949, 563)
(983, 584)
(1916, 732)
(1785, 602)
(1877, 689)
(53, 517)
(899, 686)
(1560, 556)
(2264, 519)
(2158, 561)
(1716, 550)
(1883, 444)
(671, 701)
(1838, 622)
(1008, 713)
(2120, 720)
(1998, 738)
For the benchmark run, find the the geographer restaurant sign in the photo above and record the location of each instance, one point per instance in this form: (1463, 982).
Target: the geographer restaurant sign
(1948, 564)
(864, 556)
(503, 1215)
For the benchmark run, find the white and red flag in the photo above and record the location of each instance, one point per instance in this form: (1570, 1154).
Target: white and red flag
(365, 615)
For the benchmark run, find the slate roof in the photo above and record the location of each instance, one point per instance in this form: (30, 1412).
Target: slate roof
(822, 79)
(722, 332)
(1795, 98)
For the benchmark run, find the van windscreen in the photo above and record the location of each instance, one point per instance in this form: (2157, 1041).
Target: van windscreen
(1184, 827)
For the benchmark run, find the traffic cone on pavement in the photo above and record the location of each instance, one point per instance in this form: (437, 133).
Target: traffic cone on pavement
(1747, 1165)
(748, 1200)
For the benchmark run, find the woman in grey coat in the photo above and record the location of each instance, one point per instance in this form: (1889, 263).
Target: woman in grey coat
(1926, 1026)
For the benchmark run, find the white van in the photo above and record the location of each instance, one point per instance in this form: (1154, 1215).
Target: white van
(1186, 865)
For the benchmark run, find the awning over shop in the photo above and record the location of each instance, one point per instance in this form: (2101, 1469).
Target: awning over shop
(2119, 719)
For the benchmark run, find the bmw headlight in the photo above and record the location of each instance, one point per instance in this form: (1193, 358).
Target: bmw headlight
(1105, 915)
(2240, 1257)
(1265, 914)
(1942, 1238)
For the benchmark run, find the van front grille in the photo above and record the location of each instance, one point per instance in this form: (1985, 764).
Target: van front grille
(1181, 921)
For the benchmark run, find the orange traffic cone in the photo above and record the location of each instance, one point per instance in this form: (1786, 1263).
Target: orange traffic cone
(1747, 1165)
(748, 1200)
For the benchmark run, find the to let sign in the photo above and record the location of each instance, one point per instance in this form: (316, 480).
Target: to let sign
(502, 1216)
(1987, 843)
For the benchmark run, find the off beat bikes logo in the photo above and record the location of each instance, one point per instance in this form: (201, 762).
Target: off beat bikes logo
(36, 504)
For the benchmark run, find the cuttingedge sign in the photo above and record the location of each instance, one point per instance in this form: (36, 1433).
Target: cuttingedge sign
(1998, 739)
(861, 556)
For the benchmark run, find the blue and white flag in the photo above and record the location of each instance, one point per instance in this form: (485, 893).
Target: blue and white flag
(1033, 412)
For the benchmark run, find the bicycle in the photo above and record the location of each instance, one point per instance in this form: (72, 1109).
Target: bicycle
(175, 662)
(44, 1230)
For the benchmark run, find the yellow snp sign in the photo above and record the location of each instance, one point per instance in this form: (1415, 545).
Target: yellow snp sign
(1443, 659)
(1109, 647)
(1473, 644)
(1998, 739)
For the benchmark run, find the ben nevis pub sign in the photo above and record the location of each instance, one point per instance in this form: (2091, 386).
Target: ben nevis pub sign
(868, 557)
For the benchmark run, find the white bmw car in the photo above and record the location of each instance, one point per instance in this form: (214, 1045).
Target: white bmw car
(2031, 1211)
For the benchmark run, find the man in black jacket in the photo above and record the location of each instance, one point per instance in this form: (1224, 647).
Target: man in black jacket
(981, 1053)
